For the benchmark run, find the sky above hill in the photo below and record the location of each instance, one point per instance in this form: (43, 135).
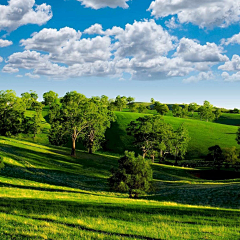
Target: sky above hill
(176, 51)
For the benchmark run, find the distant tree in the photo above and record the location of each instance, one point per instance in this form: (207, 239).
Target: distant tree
(35, 121)
(235, 110)
(134, 175)
(1, 163)
(216, 153)
(231, 156)
(12, 113)
(144, 131)
(162, 109)
(218, 113)
(177, 110)
(192, 108)
(120, 102)
(238, 136)
(207, 111)
(152, 100)
(180, 142)
(34, 95)
(50, 98)
(130, 100)
(142, 108)
(133, 107)
(111, 105)
(185, 111)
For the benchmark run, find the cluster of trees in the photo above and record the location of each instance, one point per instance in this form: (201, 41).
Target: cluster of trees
(79, 117)
(156, 138)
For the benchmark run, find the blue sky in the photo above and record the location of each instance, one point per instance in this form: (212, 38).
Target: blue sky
(173, 51)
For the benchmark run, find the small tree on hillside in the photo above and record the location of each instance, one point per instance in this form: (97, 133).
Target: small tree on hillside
(130, 100)
(120, 102)
(133, 107)
(162, 109)
(192, 108)
(134, 175)
(218, 113)
(185, 111)
(177, 110)
(231, 156)
(216, 153)
(142, 108)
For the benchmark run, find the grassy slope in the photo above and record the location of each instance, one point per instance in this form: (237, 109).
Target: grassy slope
(203, 134)
(45, 194)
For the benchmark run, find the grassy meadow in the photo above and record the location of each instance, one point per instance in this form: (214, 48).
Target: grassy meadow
(46, 194)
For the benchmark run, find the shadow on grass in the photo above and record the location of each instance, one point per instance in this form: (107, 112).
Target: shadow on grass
(34, 208)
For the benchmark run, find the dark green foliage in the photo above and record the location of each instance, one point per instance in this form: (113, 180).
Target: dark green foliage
(238, 136)
(134, 175)
(192, 108)
(217, 156)
(218, 113)
(133, 107)
(206, 111)
(120, 102)
(142, 108)
(12, 109)
(231, 156)
(1, 163)
(58, 134)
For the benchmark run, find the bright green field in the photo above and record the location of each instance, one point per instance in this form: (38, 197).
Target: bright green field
(46, 194)
(203, 134)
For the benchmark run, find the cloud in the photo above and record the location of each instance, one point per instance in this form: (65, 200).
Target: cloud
(233, 65)
(231, 78)
(9, 69)
(33, 76)
(205, 13)
(19, 76)
(143, 49)
(97, 4)
(1, 59)
(202, 55)
(5, 43)
(202, 76)
(22, 12)
(172, 24)
(95, 29)
(235, 39)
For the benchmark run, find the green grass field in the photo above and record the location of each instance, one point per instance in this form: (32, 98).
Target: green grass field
(203, 134)
(46, 194)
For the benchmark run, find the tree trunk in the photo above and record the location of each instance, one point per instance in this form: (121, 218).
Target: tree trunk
(153, 158)
(175, 157)
(73, 153)
(90, 148)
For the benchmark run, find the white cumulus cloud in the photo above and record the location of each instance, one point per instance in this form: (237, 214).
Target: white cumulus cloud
(202, 76)
(97, 4)
(5, 43)
(205, 13)
(22, 12)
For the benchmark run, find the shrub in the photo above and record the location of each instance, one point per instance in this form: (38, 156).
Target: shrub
(134, 175)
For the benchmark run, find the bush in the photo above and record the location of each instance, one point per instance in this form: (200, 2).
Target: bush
(134, 175)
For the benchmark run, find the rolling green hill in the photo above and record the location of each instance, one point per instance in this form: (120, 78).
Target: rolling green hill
(46, 194)
(203, 134)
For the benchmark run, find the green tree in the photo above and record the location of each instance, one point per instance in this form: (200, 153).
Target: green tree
(216, 153)
(179, 143)
(142, 108)
(12, 113)
(94, 134)
(120, 102)
(206, 111)
(144, 131)
(161, 108)
(218, 113)
(50, 98)
(185, 111)
(192, 108)
(27, 99)
(231, 156)
(35, 122)
(152, 100)
(133, 107)
(177, 110)
(134, 175)
(76, 114)
(130, 100)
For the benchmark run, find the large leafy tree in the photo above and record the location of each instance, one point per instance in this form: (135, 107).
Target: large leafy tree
(94, 134)
(145, 130)
(12, 109)
(50, 98)
(179, 142)
(134, 175)
(206, 111)
(218, 113)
